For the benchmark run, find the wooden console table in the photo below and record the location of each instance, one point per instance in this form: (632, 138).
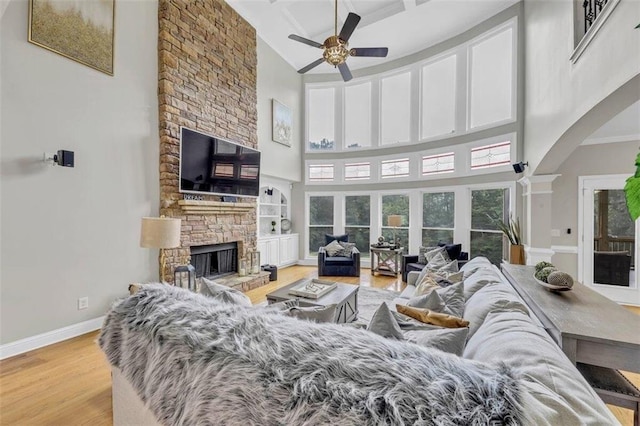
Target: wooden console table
(386, 261)
(589, 328)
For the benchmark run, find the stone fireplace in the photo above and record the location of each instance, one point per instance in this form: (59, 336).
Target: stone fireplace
(207, 62)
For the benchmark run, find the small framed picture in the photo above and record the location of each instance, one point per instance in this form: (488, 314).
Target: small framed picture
(282, 121)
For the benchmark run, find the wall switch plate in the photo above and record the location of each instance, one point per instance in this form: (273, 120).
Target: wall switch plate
(83, 303)
(555, 232)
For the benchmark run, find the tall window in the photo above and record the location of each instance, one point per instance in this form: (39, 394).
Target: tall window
(357, 221)
(321, 119)
(357, 115)
(395, 108)
(487, 206)
(320, 221)
(438, 217)
(396, 205)
(491, 68)
(438, 98)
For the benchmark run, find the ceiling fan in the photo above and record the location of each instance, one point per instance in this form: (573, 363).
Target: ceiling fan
(336, 47)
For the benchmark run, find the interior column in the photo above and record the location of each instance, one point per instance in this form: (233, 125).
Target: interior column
(537, 217)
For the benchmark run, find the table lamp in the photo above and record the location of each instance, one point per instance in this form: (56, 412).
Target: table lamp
(161, 233)
(394, 220)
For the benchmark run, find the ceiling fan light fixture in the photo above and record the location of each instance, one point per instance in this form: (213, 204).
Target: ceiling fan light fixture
(336, 51)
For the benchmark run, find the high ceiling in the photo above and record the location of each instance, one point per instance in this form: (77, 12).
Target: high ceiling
(404, 26)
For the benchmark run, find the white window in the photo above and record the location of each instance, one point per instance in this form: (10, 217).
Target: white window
(357, 171)
(357, 115)
(497, 154)
(436, 164)
(438, 98)
(394, 168)
(395, 108)
(321, 173)
(491, 79)
(321, 119)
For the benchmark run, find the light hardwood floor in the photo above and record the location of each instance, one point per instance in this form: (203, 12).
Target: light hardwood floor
(69, 383)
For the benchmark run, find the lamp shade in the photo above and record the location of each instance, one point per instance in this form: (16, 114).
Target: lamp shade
(160, 232)
(394, 220)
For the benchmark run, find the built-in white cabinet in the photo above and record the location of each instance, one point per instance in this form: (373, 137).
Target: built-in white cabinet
(280, 250)
(272, 209)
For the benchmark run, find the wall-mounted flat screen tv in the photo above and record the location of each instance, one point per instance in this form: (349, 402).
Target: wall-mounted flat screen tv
(211, 165)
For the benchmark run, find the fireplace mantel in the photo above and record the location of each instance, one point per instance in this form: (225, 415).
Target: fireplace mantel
(215, 207)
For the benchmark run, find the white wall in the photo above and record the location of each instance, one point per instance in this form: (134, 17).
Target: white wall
(73, 232)
(277, 79)
(558, 92)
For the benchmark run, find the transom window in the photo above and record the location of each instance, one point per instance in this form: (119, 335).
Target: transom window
(440, 163)
(497, 154)
(394, 168)
(438, 114)
(357, 171)
(357, 115)
(321, 172)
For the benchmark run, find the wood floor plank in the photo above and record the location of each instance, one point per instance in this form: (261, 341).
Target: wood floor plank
(69, 383)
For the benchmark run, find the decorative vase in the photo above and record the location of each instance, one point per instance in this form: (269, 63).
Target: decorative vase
(516, 254)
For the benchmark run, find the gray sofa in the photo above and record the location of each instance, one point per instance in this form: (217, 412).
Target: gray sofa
(501, 330)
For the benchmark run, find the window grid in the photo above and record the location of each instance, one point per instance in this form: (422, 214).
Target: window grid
(394, 168)
(493, 155)
(357, 171)
(440, 163)
(321, 173)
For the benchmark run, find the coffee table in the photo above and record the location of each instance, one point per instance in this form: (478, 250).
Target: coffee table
(345, 296)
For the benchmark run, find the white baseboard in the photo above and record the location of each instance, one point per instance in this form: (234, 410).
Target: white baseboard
(45, 339)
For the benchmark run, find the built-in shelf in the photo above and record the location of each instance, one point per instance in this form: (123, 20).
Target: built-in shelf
(214, 207)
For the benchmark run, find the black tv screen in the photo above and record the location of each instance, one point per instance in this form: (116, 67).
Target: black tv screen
(212, 165)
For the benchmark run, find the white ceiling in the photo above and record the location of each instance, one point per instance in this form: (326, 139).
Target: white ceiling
(404, 26)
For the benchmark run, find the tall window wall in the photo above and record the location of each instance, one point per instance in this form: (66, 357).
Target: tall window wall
(468, 88)
(465, 214)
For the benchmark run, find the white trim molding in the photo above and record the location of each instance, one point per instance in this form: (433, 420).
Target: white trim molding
(565, 249)
(593, 30)
(535, 255)
(537, 184)
(45, 339)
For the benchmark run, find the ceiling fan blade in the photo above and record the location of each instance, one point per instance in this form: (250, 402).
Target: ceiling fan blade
(311, 66)
(349, 25)
(344, 70)
(305, 41)
(378, 52)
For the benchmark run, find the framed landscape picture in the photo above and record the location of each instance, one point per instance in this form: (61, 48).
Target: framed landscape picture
(79, 30)
(282, 123)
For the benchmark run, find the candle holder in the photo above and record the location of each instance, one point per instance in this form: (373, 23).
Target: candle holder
(254, 257)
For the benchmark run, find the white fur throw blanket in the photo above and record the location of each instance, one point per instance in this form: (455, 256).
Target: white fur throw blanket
(196, 361)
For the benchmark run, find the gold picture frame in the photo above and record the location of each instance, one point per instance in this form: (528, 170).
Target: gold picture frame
(282, 123)
(81, 31)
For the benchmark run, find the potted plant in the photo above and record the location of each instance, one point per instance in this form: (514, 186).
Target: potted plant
(511, 229)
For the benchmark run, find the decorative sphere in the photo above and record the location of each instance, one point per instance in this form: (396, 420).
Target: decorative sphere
(381, 240)
(560, 278)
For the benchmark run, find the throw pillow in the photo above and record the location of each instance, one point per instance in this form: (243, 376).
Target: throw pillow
(448, 300)
(314, 313)
(426, 285)
(328, 238)
(437, 260)
(223, 293)
(453, 250)
(421, 253)
(347, 249)
(333, 248)
(384, 323)
(430, 255)
(430, 317)
(450, 340)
